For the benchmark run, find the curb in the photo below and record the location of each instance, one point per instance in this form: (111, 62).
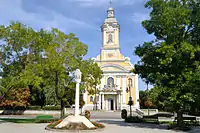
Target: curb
(72, 131)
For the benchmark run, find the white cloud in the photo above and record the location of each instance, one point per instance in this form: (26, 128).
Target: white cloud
(12, 11)
(139, 17)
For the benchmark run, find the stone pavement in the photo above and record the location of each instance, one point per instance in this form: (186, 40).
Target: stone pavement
(112, 126)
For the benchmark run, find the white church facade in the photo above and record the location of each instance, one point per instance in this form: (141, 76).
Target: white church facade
(118, 84)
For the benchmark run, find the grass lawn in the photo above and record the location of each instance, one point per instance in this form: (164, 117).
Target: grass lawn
(37, 119)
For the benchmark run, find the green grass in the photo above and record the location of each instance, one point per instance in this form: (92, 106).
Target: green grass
(37, 119)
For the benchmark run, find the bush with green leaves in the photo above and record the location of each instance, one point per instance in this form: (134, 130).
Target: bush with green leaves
(124, 114)
(16, 99)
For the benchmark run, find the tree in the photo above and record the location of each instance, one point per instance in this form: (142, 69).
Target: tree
(171, 61)
(21, 50)
(44, 61)
(143, 98)
(92, 75)
(62, 56)
(158, 97)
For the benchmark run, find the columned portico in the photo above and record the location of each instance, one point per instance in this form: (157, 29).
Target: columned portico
(111, 101)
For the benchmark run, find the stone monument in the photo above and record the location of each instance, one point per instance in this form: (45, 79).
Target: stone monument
(77, 119)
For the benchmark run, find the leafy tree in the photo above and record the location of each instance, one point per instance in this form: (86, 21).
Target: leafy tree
(172, 60)
(158, 97)
(20, 47)
(44, 61)
(143, 98)
(92, 75)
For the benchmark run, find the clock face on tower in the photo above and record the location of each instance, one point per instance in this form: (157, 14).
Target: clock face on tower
(110, 14)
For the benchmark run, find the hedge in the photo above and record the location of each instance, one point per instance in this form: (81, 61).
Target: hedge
(34, 107)
(52, 107)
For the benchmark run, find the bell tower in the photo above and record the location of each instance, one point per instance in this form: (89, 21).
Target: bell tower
(110, 31)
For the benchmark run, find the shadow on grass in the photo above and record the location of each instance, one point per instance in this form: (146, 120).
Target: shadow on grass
(28, 120)
(6, 120)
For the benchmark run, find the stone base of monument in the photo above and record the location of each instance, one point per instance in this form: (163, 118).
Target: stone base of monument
(75, 120)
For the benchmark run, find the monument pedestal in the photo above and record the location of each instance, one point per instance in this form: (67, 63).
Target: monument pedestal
(75, 119)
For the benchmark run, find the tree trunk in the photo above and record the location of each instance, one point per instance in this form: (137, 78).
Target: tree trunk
(62, 109)
(180, 122)
(56, 85)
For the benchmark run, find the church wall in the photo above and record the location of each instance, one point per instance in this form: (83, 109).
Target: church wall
(117, 37)
(134, 91)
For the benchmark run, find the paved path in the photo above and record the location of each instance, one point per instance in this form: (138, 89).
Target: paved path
(112, 126)
(105, 115)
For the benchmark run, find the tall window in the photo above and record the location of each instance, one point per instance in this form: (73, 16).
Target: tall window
(110, 82)
(130, 82)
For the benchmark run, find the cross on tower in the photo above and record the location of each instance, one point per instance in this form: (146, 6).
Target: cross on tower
(110, 3)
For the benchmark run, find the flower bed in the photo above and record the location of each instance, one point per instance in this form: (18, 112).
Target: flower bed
(74, 126)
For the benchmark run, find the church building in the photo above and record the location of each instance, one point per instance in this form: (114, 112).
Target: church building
(118, 85)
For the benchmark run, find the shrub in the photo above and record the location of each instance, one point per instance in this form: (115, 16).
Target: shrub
(87, 114)
(124, 114)
(51, 107)
(99, 125)
(36, 107)
(133, 119)
(148, 103)
(16, 99)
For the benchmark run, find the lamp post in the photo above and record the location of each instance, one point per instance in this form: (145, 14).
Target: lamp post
(147, 82)
(78, 80)
(130, 102)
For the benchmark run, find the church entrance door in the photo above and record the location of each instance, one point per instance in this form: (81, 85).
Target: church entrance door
(110, 104)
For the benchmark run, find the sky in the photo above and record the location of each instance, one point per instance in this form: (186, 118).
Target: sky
(83, 18)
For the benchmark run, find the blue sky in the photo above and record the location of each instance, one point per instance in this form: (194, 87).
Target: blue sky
(83, 18)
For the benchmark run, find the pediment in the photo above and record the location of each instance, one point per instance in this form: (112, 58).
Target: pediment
(113, 68)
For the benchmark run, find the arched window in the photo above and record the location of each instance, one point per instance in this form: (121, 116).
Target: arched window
(91, 99)
(110, 82)
(130, 82)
